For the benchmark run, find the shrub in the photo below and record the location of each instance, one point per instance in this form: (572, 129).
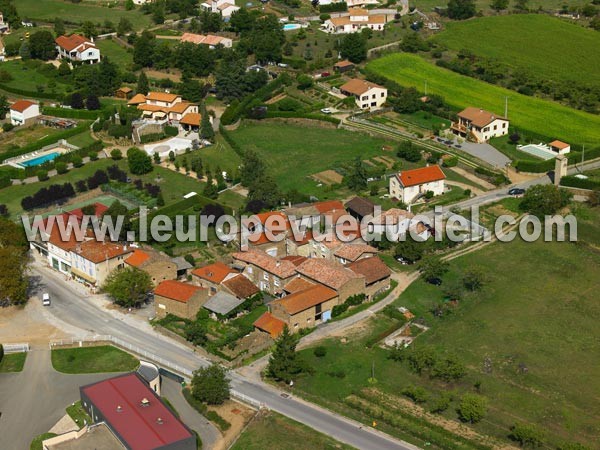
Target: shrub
(451, 162)
(171, 131)
(320, 351)
(116, 154)
(93, 155)
(526, 435)
(77, 161)
(472, 408)
(61, 167)
(42, 175)
(416, 393)
(339, 309)
(339, 373)
(7, 127)
(441, 403)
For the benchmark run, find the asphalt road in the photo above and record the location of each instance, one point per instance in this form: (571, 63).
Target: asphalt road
(74, 309)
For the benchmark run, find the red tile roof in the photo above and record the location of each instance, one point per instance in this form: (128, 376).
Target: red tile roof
(176, 290)
(302, 300)
(71, 42)
(330, 274)
(241, 286)
(358, 87)
(423, 175)
(351, 252)
(137, 258)
(479, 117)
(269, 323)
(21, 105)
(119, 402)
(373, 269)
(298, 284)
(97, 252)
(559, 145)
(192, 119)
(329, 206)
(137, 99)
(258, 258)
(294, 259)
(162, 97)
(214, 273)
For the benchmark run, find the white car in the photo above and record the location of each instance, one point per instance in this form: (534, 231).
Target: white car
(326, 111)
(46, 299)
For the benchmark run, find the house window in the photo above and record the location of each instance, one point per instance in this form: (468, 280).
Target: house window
(373, 103)
(249, 269)
(276, 282)
(265, 276)
(295, 325)
(374, 96)
(383, 94)
(504, 125)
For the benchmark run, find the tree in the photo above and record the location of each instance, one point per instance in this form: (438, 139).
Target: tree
(206, 128)
(211, 385)
(408, 151)
(4, 107)
(356, 179)
(527, 435)
(522, 5)
(449, 368)
(461, 9)
(61, 168)
(304, 81)
(124, 26)
(116, 154)
(109, 78)
(142, 84)
(595, 23)
(541, 200)
(143, 49)
(284, 362)
(13, 263)
(76, 101)
(59, 27)
(128, 287)
(195, 332)
(432, 268)
(413, 43)
(472, 408)
(265, 189)
(92, 103)
(139, 161)
(473, 279)
(354, 47)
(409, 249)
(89, 29)
(514, 138)
(252, 168)
(64, 70)
(499, 5)
(210, 190)
(42, 46)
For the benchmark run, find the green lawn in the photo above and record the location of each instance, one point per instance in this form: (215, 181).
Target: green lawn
(276, 432)
(526, 113)
(292, 153)
(13, 362)
(115, 52)
(81, 140)
(427, 6)
(100, 359)
(47, 10)
(504, 145)
(557, 49)
(36, 444)
(544, 319)
(78, 414)
(25, 76)
(172, 184)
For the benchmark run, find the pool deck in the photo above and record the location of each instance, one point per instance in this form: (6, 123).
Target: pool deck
(61, 147)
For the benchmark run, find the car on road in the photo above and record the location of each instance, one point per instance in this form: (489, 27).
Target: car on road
(516, 192)
(45, 299)
(326, 111)
(435, 281)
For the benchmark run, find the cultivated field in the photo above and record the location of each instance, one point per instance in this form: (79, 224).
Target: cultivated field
(555, 49)
(526, 113)
(293, 153)
(537, 332)
(115, 52)
(48, 10)
(427, 6)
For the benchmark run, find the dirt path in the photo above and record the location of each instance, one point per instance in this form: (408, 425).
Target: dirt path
(238, 416)
(465, 186)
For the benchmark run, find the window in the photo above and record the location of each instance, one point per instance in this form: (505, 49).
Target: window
(266, 276)
(374, 96)
(295, 325)
(249, 269)
(276, 282)
(373, 103)
(504, 125)
(383, 94)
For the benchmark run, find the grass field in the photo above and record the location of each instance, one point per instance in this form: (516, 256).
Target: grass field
(276, 432)
(13, 362)
(28, 78)
(484, 5)
(557, 49)
(78, 414)
(48, 10)
(100, 359)
(526, 113)
(24, 136)
(544, 319)
(115, 52)
(292, 153)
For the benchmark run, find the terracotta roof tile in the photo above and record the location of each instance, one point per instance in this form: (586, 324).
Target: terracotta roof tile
(297, 284)
(70, 43)
(559, 145)
(241, 286)
(162, 96)
(373, 269)
(280, 268)
(344, 63)
(479, 117)
(423, 175)
(351, 252)
(271, 324)
(21, 105)
(358, 87)
(330, 274)
(302, 300)
(97, 252)
(176, 290)
(214, 273)
(137, 258)
(191, 119)
(137, 99)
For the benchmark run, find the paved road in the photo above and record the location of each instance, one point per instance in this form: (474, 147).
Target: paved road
(72, 308)
(32, 401)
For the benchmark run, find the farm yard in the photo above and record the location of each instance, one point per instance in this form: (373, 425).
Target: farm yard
(549, 51)
(509, 336)
(542, 117)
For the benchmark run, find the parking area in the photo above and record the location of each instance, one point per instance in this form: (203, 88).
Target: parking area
(484, 152)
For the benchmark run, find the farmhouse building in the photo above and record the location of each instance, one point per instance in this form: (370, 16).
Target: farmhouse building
(270, 324)
(356, 20)
(24, 112)
(210, 40)
(479, 125)
(265, 271)
(223, 7)
(160, 267)
(180, 299)
(306, 308)
(408, 185)
(342, 280)
(376, 273)
(77, 48)
(210, 277)
(367, 95)
(92, 261)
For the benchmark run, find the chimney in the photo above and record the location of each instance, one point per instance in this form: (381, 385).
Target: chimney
(119, 408)
(159, 421)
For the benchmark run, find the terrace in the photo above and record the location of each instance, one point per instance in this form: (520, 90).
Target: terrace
(41, 156)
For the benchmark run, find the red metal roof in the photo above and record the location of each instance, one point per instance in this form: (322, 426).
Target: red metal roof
(421, 176)
(119, 400)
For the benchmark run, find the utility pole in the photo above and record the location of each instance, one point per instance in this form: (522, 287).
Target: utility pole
(425, 87)
(506, 107)
(582, 157)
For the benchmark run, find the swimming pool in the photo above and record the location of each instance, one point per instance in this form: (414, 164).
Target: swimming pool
(538, 150)
(39, 160)
(291, 26)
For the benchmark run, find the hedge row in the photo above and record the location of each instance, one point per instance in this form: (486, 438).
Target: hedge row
(33, 94)
(46, 141)
(545, 166)
(72, 113)
(233, 144)
(582, 183)
(301, 115)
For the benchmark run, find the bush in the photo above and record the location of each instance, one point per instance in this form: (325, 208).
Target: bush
(339, 309)
(6, 127)
(526, 435)
(585, 183)
(42, 175)
(93, 155)
(116, 154)
(171, 131)
(416, 393)
(320, 351)
(61, 167)
(472, 408)
(441, 403)
(77, 161)
(451, 162)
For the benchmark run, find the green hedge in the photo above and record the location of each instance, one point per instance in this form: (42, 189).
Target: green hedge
(233, 144)
(573, 181)
(301, 115)
(545, 166)
(71, 113)
(46, 141)
(203, 410)
(33, 94)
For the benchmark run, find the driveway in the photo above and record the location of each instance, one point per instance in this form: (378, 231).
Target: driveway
(486, 153)
(32, 401)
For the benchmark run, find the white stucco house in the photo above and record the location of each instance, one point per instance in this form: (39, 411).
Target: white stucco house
(356, 20)
(367, 95)
(224, 7)
(77, 48)
(407, 185)
(479, 125)
(24, 112)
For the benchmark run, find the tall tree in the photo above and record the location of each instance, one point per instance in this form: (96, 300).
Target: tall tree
(357, 176)
(139, 161)
(284, 363)
(42, 46)
(4, 107)
(124, 26)
(108, 77)
(59, 27)
(210, 384)
(128, 287)
(354, 47)
(461, 9)
(89, 29)
(252, 168)
(143, 49)
(206, 129)
(142, 84)
(541, 200)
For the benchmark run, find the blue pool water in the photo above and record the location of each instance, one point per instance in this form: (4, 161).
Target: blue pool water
(39, 160)
(291, 26)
